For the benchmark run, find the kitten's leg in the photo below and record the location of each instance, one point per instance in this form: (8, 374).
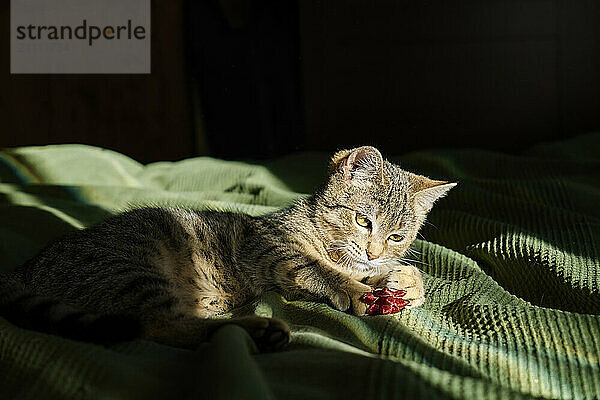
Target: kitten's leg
(269, 334)
(299, 278)
(404, 277)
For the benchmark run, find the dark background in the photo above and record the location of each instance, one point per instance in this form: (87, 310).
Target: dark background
(257, 79)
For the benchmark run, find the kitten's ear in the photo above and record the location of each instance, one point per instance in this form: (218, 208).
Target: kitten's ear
(426, 191)
(361, 163)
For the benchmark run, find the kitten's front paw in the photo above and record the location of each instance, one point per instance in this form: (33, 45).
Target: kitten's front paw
(407, 277)
(358, 307)
(340, 301)
(349, 298)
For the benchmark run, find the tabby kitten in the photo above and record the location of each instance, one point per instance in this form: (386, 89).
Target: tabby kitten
(164, 273)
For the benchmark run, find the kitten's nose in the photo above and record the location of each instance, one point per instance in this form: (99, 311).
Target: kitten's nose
(374, 250)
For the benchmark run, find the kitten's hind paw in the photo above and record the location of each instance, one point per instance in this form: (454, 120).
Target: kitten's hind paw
(269, 334)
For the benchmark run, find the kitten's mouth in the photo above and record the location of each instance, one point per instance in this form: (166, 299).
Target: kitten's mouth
(363, 265)
(339, 255)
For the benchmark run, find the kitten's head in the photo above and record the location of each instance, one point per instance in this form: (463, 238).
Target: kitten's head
(370, 210)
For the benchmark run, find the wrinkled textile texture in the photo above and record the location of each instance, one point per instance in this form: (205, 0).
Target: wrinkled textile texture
(510, 262)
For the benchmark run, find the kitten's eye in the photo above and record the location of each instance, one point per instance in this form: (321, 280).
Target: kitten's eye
(396, 238)
(362, 220)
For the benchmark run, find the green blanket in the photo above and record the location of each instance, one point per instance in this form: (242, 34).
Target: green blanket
(510, 261)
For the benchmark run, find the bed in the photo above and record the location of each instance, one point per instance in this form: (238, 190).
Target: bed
(510, 260)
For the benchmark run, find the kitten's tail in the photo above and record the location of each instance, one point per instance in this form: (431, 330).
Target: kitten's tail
(28, 310)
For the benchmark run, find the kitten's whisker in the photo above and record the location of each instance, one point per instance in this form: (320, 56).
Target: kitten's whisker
(342, 261)
(406, 260)
(350, 259)
(414, 266)
(429, 223)
(413, 252)
(347, 259)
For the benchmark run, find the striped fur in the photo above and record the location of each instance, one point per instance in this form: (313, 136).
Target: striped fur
(164, 273)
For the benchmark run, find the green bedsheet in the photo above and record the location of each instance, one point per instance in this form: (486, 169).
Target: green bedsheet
(510, 261)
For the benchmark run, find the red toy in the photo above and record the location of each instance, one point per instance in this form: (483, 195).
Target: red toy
(384, 301)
